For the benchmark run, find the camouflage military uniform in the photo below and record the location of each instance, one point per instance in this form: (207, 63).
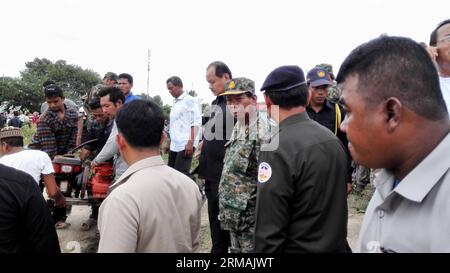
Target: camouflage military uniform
(334, 93)
(360, 177)
(237, 189)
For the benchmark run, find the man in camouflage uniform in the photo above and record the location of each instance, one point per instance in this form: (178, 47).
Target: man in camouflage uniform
(361, 177)
(237, 189)
(333, 91)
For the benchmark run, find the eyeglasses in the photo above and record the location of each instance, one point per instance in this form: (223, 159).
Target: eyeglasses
(445, 39)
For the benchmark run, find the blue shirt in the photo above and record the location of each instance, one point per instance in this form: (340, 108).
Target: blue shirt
(131, 97)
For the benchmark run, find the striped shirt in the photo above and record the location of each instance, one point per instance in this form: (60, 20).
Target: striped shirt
(55, 136)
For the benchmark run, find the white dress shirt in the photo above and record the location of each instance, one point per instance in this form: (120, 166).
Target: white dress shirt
(184, 114)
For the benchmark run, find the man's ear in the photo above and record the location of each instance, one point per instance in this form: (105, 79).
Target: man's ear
(308, 100)
(267, 101)
(269, 104)
(3, 148)
(393, 112)
(163, 136)
(121, 142)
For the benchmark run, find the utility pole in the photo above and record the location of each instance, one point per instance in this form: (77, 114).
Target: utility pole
(148, 73)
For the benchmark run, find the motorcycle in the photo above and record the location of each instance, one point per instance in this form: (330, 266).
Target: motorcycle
(80, 184)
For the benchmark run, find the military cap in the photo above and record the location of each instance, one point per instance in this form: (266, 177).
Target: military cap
(10, 131)
(284, 78)
(328, 67)
(239, 86)
(319, 76)
(111, 75)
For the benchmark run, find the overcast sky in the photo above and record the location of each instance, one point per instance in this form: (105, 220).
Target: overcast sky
(251, 37)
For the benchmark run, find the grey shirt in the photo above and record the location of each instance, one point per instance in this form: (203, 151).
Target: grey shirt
(111, 150)
(415, 216)
(154, 208)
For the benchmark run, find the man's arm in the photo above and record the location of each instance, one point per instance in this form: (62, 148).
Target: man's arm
(118, 225)
(84, 154)
(272, 207)
(53, 190)
(87, 149)
(189, 148)
(196, 121)
(79, 131)
(110, 148)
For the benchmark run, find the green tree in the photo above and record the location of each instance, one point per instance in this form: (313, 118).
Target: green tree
(192, 93)
(9, 92)
(157, 99)
(26, 91)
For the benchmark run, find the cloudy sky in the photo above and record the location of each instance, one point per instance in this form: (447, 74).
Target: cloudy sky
(252, 37)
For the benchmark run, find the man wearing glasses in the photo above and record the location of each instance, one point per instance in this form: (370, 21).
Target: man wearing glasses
(439, 50)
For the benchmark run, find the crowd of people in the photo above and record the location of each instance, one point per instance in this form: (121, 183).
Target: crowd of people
(276, 176)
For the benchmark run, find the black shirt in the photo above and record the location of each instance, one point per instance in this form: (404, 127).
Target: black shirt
(25, 221)
(301, 197)
(327, 117)
(97, 131)
(216, 134)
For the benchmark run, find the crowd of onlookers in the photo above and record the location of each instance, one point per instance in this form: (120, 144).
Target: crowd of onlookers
(18, 119)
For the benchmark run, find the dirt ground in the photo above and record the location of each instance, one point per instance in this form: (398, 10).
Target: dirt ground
(75, 240)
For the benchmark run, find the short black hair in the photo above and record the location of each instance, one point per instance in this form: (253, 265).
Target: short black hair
(396, 67)
(175, 80)
(16, 113)
(126, 76)
(141, 122)
(297, 96)
(433, 36)
(94, 103)
(221, 68)
(52, 91)
(115, 94)
(13, 141)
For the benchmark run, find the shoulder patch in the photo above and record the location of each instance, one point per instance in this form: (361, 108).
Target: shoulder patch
(264, 172)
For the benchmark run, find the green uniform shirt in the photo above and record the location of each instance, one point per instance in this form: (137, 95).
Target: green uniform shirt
(237, 189)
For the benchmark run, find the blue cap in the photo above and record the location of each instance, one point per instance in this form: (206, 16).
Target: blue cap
(284, 78)
(319, 76)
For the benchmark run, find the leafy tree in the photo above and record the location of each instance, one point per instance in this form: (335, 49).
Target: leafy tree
(74, 80)
(26, 91)
(9, 92)
(192, 93)
(157, 99)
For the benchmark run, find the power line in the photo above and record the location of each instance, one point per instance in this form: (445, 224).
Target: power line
(148, 73)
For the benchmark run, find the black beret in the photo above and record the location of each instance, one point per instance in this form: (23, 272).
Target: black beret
(284, 78)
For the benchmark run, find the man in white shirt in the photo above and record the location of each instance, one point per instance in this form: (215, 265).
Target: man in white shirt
(184, 125)
(397, 120)
(34, 162)
(440, 53)
(153, 208)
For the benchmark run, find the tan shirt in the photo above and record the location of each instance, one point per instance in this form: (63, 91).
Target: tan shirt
(153, 208)
(415, 216)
